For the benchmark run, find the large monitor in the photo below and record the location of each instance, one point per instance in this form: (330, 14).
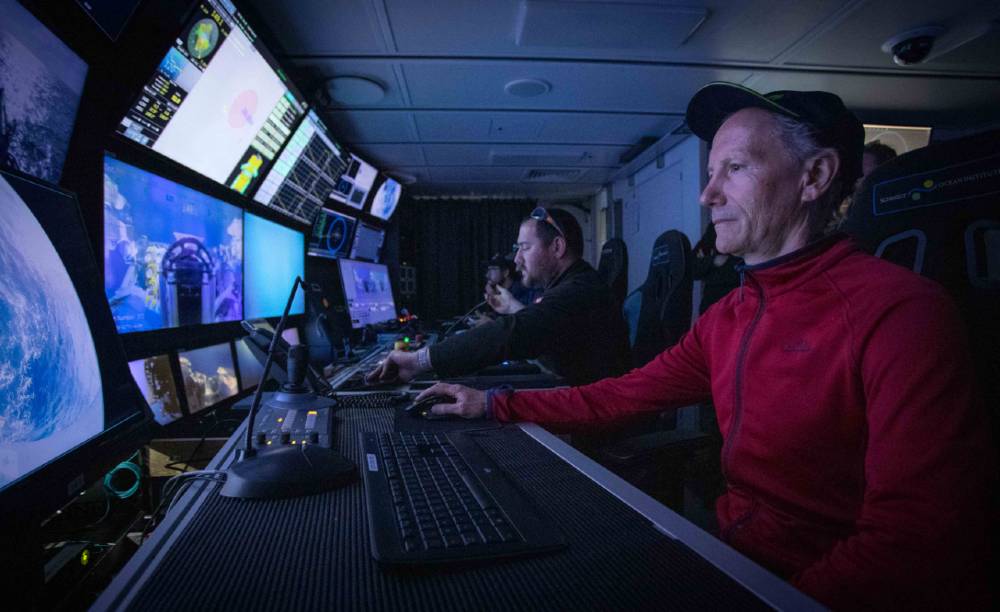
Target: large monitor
(353, 187)
(155, 379)
(331, 235)
(273, 256)
(68, 409)
(386, 198)
(208, 376)
(41, 81)
(367, 242)
(110, 15)
(367, 291)
(305, 174)
(172, 255)
(218, 103)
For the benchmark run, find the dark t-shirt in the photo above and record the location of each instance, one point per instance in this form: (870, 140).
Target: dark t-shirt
(576, 330)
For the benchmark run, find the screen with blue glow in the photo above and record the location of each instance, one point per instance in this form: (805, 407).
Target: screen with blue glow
(51, 396)
(41, 81)
(208, 376)
(367, 291)
(331, 235)
(172, 256)
(386, 198)
(273, 256)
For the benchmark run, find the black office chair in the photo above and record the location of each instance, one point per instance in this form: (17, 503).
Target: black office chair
(664, 312)
(613, 267)
(936, 211)
(652, 453)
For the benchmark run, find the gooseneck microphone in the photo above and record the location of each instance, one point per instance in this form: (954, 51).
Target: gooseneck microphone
(462, 318)
(293, 455)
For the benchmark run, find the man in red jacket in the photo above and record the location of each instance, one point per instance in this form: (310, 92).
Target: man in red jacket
(857, 461)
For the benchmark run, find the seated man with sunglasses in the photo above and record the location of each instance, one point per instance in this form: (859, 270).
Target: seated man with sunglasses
(575, 329)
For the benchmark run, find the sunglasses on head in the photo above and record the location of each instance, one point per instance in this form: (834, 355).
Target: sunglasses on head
(540, 214)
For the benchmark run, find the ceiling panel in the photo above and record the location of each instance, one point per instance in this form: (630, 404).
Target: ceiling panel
(734, 31)
(393, 155)
(857, 39)
(314, 72)
(364, 126)
(576, 86)
(542, 127)
(522, 155)
(897, 99)
(312, 27)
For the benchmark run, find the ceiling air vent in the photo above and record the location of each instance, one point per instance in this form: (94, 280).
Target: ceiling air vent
(553, 175)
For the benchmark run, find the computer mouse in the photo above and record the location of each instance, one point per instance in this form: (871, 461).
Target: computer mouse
(423, 407)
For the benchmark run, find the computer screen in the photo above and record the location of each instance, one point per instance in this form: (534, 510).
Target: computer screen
(367, 291)
(208, 376)
(172, 255)
(156, 382)
(66, 401)
(331, 235)
(353, 187)
(305, 174)
(251, 369)
(386, 198)
(273, 256)
(367, 242)
(41, 81)
(109, 15)
(218, 102)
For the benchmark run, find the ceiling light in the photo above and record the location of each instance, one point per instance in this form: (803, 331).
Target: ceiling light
(354, 91)
(527, 88)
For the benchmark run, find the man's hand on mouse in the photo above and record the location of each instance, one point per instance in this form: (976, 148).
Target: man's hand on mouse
(399, 366)
(469, 403)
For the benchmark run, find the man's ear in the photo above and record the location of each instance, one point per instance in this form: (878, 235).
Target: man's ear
(558, 246)
(818, 173)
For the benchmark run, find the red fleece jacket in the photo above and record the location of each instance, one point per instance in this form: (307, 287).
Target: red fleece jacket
(856, 460)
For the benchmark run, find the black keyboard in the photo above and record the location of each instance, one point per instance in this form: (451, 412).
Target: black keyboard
(441, 498)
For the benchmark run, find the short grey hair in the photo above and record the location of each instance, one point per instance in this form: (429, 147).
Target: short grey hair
(801, 143)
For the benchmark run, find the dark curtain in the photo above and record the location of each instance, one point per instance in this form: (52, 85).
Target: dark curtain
(450, 243)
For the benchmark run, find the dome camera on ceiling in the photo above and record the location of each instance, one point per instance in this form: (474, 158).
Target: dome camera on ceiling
(913, 46)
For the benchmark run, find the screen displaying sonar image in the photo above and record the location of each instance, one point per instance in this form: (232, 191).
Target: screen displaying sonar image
(173, 256)
(208, 376)
(156, 381)
(41, 81)
(331, 235)
(217, 103)
(367, 292)
(305, 174)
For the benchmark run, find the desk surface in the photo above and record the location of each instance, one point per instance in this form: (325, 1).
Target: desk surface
(626, 550)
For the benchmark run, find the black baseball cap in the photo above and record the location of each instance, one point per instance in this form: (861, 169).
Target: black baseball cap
(834, 125)
(500, 261)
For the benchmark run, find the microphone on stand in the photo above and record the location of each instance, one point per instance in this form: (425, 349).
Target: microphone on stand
(293, 457)
(462, 318)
